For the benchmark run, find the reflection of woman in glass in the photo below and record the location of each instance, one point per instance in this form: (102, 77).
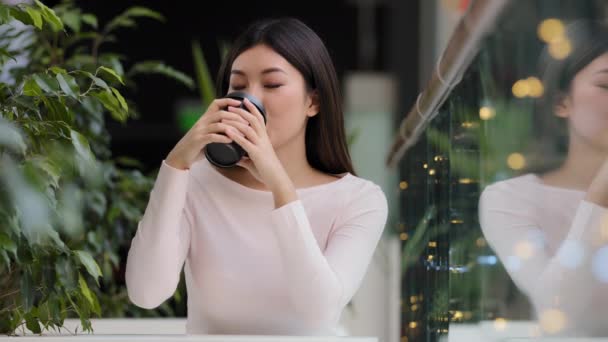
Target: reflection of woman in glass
(551, 229)
(279, 244)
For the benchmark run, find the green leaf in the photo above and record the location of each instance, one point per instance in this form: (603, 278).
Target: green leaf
(72, 20)
(57, 109)
(5, 14)
(4, 53)
(114, 61)
(50, 17)
(56, 306)
(89, 263)
(158, 67)
(90, 297)
(121, 99)
(31, 88)
(138, 11)
(120, 21)
(81, 145)
(32, 323)
(111, 72)
(125, 19)
(66, 273)
(7, 244)
(46, 83)
(203, 76)
(20, 15)
(44, 314)
(89, 19)
(110, 102)
(36, 16)
(68, 85)
(96, 80)
(49, 167)
(58, 70)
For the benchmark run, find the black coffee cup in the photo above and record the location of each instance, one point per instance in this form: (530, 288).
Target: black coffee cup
(227, 155)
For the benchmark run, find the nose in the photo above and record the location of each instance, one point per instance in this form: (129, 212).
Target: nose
(256, 91)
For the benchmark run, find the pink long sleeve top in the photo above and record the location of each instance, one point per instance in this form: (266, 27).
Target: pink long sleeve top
(251, 268)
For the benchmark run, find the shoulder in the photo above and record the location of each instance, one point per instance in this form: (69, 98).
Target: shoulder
(525, 187)
(363, 196)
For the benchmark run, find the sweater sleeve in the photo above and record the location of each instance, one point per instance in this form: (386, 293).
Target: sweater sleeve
(561, 284)
(321, 283)
(161, 243)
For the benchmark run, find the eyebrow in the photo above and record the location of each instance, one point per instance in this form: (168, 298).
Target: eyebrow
(602, 71)
(265, 71)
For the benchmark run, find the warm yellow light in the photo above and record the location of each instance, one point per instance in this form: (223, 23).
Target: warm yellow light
(431, 172)
(552, 321)
(535, 87)
(550, 30)
(413, 325)
(458, 315)
(521, 89)
(413, 299)
(432, 243)
(403, 236)
(524, 249)
(465, 181)
(457, 221)
(403, 185)
(500, 324)
(516, 161)
(425, 165)
(430, 257)
(486, 113)
(560, 49)
(414, 307)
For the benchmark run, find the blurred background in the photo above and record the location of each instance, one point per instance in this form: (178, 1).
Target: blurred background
(443, 100)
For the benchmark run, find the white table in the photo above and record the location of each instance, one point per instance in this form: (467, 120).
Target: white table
(163, 329)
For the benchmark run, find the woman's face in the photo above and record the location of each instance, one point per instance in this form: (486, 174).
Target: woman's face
(265, 74)
(586, 106)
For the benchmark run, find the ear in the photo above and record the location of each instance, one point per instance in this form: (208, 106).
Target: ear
(313, 104)
(562, 105)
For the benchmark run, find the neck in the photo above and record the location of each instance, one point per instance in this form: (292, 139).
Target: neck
(580, 167)
(292, 156)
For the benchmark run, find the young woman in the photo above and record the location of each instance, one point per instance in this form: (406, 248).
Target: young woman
(280, 243)
(551, 229)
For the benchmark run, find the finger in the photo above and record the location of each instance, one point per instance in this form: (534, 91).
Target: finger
(225, 114)
(247, 145)
(247, 131)
(247, 116)
(218, 127)
(235, 122)
(215, 106)
(218, 138)
(218, 104)
(254, 110)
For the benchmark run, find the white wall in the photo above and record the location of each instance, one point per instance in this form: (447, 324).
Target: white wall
(369, 108)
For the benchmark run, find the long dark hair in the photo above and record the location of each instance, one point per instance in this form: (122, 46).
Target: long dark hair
(588, 40)
(326, 147)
